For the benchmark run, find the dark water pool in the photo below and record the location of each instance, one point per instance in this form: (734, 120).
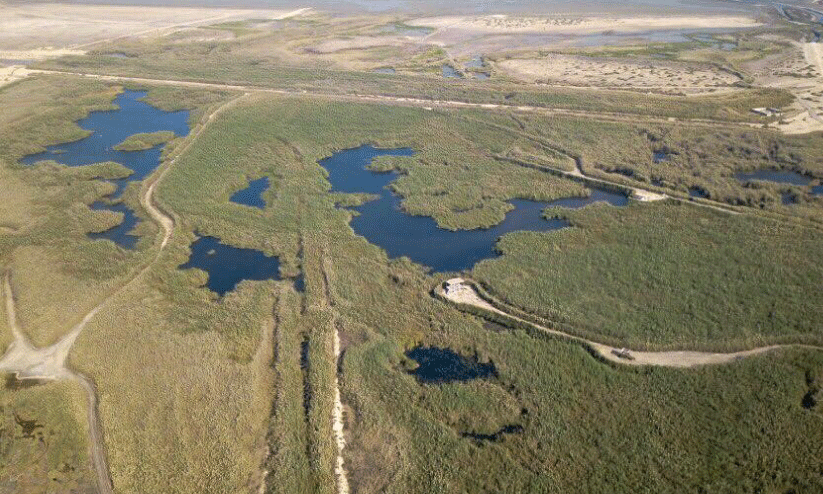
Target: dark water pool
(783, 177)
(227, 265)
(442, 365)
(110, 128)
(698, 192)
(660, 156)
(495, 436)
(383, 223)
(450, 72)
(251, 195)
(817, 190)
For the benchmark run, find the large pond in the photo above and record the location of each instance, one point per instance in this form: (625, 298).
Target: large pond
(227, 266)
(252, 195)
(110, 128)
(383, 223)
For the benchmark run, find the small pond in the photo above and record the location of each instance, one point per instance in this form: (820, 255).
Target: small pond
(108, 129)
(481, 75)
(450, 72)
(251, 195)
(442, 365)
(382, 221)
(778, 176)
(660, 156)
(385, 70)
(698, 192)
(495, 436)
(227, 265)
(474, 63)
(817, 190)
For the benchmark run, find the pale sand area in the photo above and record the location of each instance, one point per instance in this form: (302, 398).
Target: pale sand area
(11, 74)
(617, 73)
(25, 27)
(801, 73)
(582, 25)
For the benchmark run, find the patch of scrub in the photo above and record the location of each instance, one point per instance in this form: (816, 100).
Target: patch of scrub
(383, 222)
(227, 266)
(777, 176)
(112, 128)
(442, 365)
(141, 142)
(252, 195)
(450, 72)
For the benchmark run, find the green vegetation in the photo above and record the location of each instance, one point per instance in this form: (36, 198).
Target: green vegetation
(43, 438)
(140, 142)
(666, 276)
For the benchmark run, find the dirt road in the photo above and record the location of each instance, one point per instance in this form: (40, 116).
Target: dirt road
(409, 101)
(460, 291)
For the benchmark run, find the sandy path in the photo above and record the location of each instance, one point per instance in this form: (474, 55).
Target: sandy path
(28, 362)
(460, 291)
(409, 101)
(337, 425)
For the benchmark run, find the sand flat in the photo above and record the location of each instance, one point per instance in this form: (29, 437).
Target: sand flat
(580, 25)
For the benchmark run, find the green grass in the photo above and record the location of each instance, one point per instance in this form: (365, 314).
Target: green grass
(141, 142)
(666, 275)
(43, 445)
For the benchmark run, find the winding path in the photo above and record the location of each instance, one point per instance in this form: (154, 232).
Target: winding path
(462, 292)
(49, 363)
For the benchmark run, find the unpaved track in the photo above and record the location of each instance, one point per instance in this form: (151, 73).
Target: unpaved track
(461, 292)
(409, 101)
(337, 425)
(49, 363)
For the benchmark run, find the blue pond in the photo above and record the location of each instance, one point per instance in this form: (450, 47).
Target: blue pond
(442, 365)
(110, 128)
(251, 195)
(783, 177)
(227, 266)
(383, 223)
(817, 190)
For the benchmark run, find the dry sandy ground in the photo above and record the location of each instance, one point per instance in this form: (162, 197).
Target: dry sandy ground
(801, 73)
(33, 26)
(581, 25)
(617, 73)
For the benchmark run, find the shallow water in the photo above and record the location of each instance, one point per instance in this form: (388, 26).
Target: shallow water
(474, 63)
(251, 195)
(110, 128)
(382, 221)
(450, 72)
(227, 265)
(817, 190)
(783, 177)
(660, 156)
(698, 192)
(442, 365)
(481, 75)
(385, 70)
